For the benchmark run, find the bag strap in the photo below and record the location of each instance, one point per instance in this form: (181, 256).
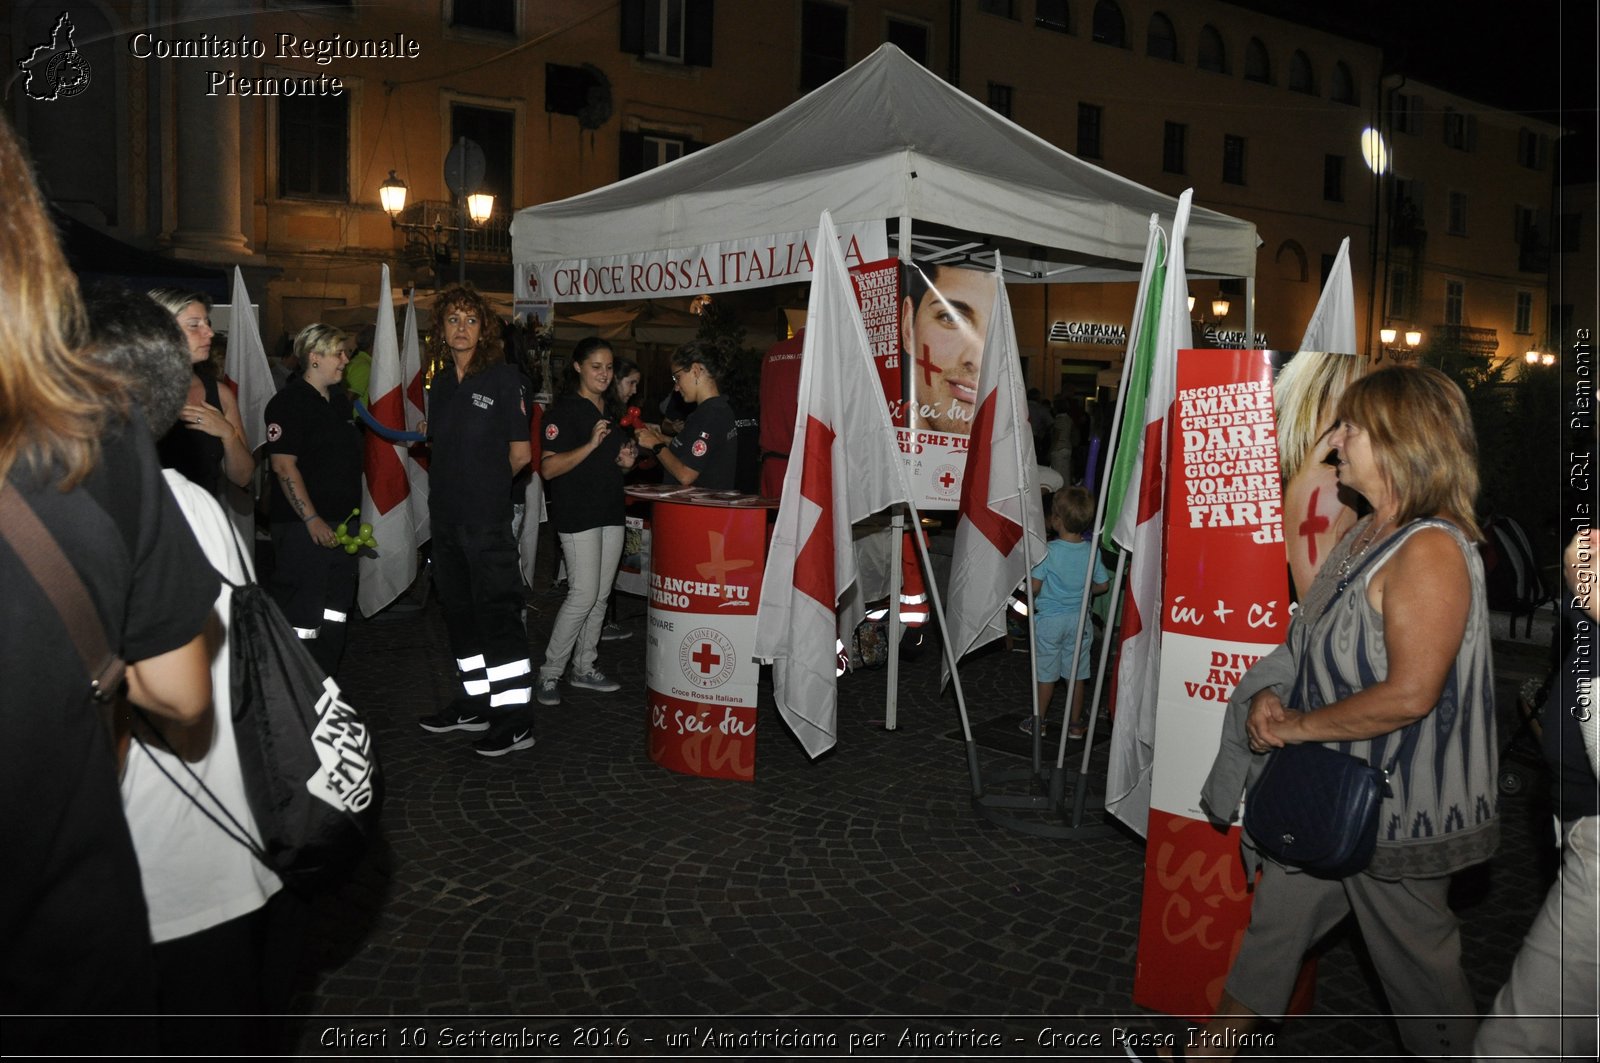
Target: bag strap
(238, 834)
(41, 555)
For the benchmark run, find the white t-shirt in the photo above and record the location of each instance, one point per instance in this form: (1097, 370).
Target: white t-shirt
(194, 876)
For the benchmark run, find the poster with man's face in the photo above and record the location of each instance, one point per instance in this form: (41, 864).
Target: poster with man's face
(944, 319)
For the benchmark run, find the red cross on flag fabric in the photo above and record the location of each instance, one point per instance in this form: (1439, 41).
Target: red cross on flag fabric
(848, 469)
(1000, 530)
(1138, 527)
(386, 498)
(416, 407)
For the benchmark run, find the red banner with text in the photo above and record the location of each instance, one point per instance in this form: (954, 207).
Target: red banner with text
(1225, 605)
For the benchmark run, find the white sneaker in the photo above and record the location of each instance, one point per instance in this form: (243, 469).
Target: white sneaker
(595, 680)
(547, 693)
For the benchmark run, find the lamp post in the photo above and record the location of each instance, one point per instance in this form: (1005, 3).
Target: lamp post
(1387, 337)
(463, 176)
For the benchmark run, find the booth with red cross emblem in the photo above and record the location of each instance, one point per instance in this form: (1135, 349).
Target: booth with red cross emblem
(708, 553)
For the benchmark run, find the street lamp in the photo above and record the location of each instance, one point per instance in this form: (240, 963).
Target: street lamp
(1387, 337)
(463, 175)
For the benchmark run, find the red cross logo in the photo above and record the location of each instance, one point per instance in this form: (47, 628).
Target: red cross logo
(716, 570)
(928, 368)
(946, 480)
(1313, 524)
(707, 658)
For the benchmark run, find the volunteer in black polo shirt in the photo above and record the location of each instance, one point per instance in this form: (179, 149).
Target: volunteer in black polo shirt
(705, 454)
(478, 425)
(316, 481)
(584, 457)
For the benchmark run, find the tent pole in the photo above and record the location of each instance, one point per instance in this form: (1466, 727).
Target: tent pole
(891, 701)
(891, 705)
(1250, 313)
(937, 601)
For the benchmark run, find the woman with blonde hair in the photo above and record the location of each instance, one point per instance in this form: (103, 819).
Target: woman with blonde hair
(207, 444)
(72, 914)
(1388, 661)
(1305, 396)
(315, 453)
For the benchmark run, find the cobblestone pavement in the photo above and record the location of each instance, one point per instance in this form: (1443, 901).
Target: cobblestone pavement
(578, 887)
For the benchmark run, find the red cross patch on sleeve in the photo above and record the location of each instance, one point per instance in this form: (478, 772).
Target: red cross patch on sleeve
(551, 431)
(699, 448)
(274, 433)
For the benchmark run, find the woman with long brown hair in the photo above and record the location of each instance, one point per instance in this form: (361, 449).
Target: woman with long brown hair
(478, 425)
(72, 914)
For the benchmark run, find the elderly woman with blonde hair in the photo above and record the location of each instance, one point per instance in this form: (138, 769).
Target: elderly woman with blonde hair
(1387, 660)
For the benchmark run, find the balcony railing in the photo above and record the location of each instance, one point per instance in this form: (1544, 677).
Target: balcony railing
(489, 241)
(1469, 338)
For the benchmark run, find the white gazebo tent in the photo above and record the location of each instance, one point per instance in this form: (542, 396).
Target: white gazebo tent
(885, 141)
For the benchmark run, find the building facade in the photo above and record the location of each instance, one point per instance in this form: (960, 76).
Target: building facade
(212, 132)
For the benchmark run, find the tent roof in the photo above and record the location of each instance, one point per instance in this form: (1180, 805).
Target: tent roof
(886, 139)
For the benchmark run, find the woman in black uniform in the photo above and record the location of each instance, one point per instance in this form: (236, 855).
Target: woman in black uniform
(478, 425)
(315, 451)
(207, 444)
(705, 454)
(583, 462)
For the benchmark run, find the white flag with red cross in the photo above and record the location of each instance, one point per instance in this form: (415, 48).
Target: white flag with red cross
(847, 469)
(386, 497)
(1000, 531)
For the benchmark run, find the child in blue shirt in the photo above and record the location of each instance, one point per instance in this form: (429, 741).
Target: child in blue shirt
(1058, 600)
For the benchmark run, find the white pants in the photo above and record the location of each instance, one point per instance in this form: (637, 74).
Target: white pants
(591, 558)
(1546, 1010)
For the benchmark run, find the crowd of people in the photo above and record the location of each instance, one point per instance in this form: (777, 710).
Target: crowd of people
(116, 438)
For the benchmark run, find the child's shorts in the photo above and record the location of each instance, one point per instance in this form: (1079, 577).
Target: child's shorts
(1053, 635)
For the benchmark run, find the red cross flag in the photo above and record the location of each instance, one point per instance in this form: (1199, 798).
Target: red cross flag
(1000, 531)
(849, 468)
(386, 498)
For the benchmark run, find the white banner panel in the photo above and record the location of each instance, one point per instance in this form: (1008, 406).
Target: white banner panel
(728, 265)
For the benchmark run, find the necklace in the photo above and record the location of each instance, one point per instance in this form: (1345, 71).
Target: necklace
(1359, 550)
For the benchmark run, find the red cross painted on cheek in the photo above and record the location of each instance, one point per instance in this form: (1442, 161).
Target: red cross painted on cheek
(928, 368)
(1313, 525)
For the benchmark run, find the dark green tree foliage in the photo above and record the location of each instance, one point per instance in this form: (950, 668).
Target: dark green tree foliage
(1516, 411)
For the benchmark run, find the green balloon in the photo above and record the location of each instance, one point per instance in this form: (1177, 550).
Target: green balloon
(351, 548)
(366, 531)
(342, 530)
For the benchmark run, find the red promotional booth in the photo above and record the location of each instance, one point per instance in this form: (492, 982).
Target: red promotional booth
(708, 552)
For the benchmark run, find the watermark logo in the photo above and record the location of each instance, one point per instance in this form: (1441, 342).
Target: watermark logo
(57, 70)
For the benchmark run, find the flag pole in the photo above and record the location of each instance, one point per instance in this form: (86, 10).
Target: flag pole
(937, 600)
(897, 524)
(1058, 778)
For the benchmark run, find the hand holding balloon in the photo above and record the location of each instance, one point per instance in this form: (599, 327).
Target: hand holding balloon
(353, 543)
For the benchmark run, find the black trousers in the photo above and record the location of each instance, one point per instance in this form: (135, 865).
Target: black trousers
(316, 589)
(480, 588)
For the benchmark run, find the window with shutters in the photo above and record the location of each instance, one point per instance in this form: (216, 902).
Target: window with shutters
(314, 147)
(668, 31)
